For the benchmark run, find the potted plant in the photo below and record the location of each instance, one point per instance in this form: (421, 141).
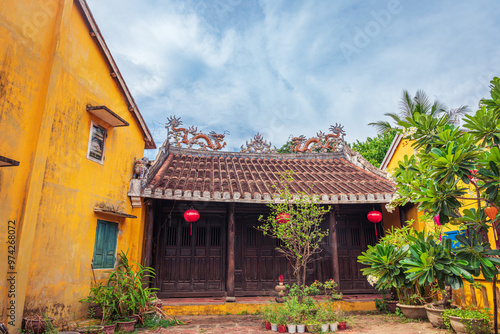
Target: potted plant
(266, 316)
(292, 310)
(342, 318)
(37, 324)
(281, 319)
(323, 318)
(467, 321)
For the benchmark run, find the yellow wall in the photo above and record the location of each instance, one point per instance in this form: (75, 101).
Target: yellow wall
(50, 69)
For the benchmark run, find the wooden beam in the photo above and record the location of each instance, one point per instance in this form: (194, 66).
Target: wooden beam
(333, 244)
(148, 249)
(230, 254)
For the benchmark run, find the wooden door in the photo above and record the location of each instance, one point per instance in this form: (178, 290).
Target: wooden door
(258, 264)
(191, 264)
(354, 234)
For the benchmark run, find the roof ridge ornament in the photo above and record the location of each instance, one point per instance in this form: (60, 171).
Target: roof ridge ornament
(179, 136)
(257, 145)
(322, 143)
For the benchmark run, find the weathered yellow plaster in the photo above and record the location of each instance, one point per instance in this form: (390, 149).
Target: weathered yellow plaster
(251, 308)
(50, 69)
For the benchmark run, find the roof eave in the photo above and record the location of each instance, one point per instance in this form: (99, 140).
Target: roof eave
(148, 138)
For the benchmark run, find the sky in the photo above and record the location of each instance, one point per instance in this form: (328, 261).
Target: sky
(291, 67)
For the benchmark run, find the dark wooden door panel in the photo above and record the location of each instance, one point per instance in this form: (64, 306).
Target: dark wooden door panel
(261, 264)
(354, 234)
(191, 264)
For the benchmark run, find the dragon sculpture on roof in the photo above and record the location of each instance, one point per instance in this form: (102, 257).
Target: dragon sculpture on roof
(179, 136)
(323, 143)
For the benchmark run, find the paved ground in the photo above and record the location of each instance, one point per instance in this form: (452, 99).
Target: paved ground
(361, 323)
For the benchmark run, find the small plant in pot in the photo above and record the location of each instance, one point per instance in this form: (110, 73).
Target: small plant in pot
(467, 321)
(342, 318)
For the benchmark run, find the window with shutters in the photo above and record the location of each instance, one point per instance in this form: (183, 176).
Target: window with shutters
(105, 244)
(97, 139)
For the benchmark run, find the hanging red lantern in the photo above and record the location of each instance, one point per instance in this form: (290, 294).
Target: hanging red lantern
(283, 218)
(374, 217)
(491, 212)
(191, 216)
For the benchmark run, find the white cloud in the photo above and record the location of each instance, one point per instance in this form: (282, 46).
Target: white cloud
(278, 67)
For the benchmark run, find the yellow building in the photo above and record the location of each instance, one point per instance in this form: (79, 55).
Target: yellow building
(69, 121)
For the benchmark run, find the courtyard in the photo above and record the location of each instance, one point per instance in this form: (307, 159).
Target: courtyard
(361, 322)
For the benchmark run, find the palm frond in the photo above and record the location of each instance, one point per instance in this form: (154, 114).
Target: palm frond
(382, 126)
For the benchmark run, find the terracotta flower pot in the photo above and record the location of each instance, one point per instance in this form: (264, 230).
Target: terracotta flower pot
(435, 315)
(391, 305)
(281, 328)
(412, 311)
(125, 326)
(109, 329)
(35, 324)
(461, 326)
(342, 325)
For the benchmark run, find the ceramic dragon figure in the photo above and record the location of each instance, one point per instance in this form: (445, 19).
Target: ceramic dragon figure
(179, 136)
(331, 142)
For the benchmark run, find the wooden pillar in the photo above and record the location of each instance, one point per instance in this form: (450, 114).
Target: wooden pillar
(333, 243)
(230, 255)
(148, 248)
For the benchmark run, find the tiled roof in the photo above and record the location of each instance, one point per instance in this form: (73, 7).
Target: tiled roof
(245, 177)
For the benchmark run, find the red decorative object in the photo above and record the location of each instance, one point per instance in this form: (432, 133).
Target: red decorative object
(283, 218)
(268, 325)
(191, 216)
(436, 220)
(281, 328)
(281, 279)
(374, 217)
(491, 212)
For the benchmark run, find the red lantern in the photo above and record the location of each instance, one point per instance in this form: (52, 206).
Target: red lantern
(374, 217)
(283, 218)
(191, 216)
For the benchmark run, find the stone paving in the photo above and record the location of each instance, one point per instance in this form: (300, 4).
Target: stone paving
(373, 322)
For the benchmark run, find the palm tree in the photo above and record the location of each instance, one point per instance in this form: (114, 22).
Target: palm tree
(421, 103)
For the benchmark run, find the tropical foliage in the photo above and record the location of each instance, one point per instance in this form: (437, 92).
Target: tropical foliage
(453, 177)
(375, 149)
(422, 105)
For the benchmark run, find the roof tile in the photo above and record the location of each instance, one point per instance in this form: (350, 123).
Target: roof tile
(246, 177)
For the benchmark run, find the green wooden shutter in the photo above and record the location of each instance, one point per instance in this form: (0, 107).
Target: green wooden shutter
(105, 244)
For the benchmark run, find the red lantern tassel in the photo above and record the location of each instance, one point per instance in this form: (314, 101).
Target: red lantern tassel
(190, 229)
(376, 234)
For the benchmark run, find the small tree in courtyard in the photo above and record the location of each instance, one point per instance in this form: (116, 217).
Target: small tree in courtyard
(295, 220)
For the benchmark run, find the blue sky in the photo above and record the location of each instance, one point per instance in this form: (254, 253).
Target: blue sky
(296, 67)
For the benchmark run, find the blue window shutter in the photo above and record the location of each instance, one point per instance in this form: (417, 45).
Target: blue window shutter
(105, 244)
